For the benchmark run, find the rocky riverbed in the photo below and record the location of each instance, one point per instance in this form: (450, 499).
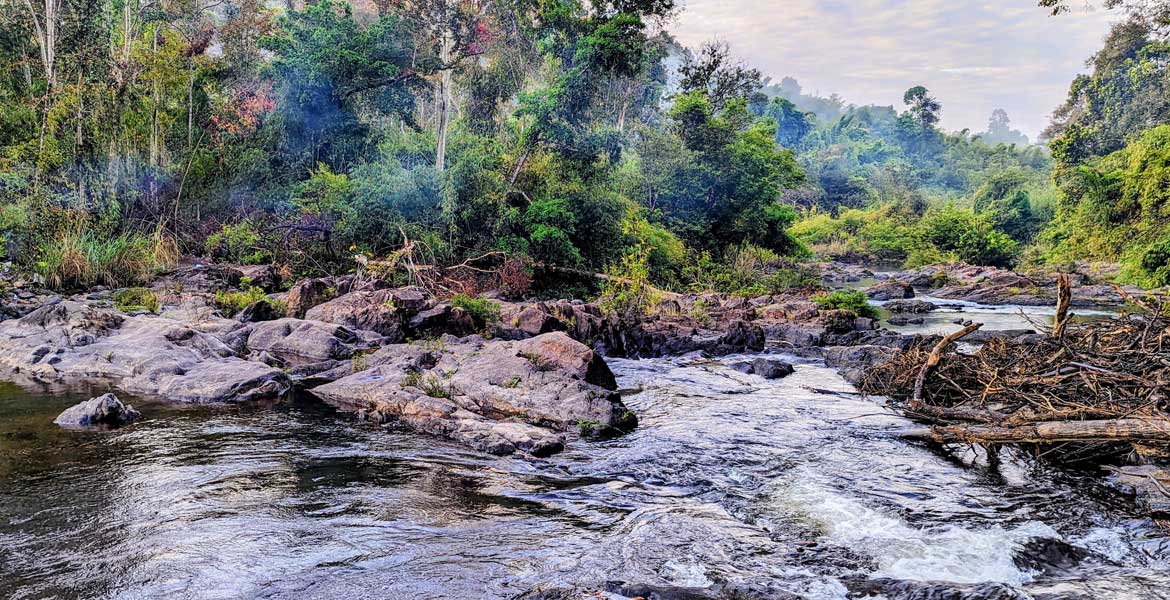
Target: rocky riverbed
(558, 451)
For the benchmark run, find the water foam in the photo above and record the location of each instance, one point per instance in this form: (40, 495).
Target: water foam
(902, 551)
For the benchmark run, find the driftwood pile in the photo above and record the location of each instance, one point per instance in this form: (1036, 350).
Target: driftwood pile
(1086, 391)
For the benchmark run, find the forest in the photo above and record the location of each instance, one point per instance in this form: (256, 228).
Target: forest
(568, 135)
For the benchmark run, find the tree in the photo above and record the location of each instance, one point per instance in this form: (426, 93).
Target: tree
(1152, 14)
(917, 124)
(457, 30)
(715, 73)
(1127, 93)
(46, 18)
(999, 130)
(792, 124)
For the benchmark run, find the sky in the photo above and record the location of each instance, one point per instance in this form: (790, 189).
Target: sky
(973, 55)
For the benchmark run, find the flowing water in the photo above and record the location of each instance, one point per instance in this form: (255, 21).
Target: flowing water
(796, 484)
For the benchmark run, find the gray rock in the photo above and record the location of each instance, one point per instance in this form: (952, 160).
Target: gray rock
(853, 361)
(890, 290)
(764, 367)
(300, 342)
(910, 306)
(440, 320)
(376, 310)
(105, 410)
(496, 396)
(148, 355)
(260, 310)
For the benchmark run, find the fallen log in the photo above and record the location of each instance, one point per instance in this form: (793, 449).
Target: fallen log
(1106, 430)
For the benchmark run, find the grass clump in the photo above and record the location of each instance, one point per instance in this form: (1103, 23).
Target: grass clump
(136, 299)
(80, 258)
(854, 301)
(484, 313)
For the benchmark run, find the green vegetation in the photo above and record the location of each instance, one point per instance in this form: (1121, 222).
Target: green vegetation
(79, 258)
(483, 312)
(232, 303)
(136, 299)
(550, 135)
(853, 301)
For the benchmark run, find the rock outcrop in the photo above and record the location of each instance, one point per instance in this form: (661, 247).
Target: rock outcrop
(71, 342)
(890, 290)
(104, 411)
(496, 396)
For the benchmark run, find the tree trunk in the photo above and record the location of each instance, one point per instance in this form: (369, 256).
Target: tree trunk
(1133, 429)
(444, 101)
(153, 151)
(191, 104)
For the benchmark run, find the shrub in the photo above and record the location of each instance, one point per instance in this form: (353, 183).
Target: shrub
(233, 302)
(484, 313)
(853, 301)
(135, 299)
(628, 292)
(239, 243)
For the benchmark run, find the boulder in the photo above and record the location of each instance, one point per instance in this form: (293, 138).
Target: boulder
(266, 277)
(799, 310)
(902, 320)
(890, 290)
(307, 293)
(440, 320)
(260, 310)
(300, 342)
(794, 335)
(910, 306)
(764, 367)
(853, 361)
(372, 310)
(144, 354)
(105, 410)
(496, 396)
(206, 278)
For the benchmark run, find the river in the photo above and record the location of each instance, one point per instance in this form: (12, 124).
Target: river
(796, 484)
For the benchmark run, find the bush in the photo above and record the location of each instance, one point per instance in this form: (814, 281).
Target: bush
(240, 243)
(853, 301)
(628, 292)
(484, 313)
(232, 303)
(968, 236)
(136, 299)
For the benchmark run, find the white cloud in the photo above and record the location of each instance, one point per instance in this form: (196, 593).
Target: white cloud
(974, 56)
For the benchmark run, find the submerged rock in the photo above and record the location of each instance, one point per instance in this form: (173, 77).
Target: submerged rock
(496, 396)
(104, 410)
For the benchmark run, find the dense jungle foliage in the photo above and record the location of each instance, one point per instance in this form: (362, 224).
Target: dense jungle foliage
(572, 134)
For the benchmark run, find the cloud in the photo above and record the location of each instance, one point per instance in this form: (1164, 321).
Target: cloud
(975, 56)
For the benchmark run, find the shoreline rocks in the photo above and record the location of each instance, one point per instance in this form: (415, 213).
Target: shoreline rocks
(68, 341)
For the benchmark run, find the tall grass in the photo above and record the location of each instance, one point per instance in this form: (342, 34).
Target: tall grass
(79, 258)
